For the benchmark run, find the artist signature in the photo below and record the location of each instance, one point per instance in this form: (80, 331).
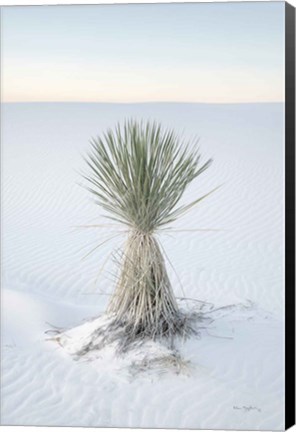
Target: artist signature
(246, 408)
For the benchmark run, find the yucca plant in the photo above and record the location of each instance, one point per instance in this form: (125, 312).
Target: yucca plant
(138, 173)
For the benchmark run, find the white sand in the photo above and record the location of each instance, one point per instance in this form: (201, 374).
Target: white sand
(236, 374)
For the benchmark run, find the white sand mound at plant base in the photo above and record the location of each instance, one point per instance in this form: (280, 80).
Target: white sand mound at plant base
(99, 338)
(96, 340)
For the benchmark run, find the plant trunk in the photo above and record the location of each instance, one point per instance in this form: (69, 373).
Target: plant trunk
(143, 299)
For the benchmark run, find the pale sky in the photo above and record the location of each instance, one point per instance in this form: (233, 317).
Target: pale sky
(220, 53)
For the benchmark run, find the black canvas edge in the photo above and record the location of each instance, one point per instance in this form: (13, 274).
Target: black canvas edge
(289, 215)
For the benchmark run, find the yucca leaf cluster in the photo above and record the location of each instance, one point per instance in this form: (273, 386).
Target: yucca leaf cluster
(139, 172)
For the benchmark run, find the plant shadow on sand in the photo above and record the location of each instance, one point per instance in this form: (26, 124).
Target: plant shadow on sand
(103, 338)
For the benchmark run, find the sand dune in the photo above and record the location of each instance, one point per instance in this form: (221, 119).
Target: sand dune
(237, 365)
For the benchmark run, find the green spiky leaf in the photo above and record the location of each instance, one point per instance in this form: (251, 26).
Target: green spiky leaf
(139, 172)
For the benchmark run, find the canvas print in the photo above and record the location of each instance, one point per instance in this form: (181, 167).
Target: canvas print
(143, 215)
